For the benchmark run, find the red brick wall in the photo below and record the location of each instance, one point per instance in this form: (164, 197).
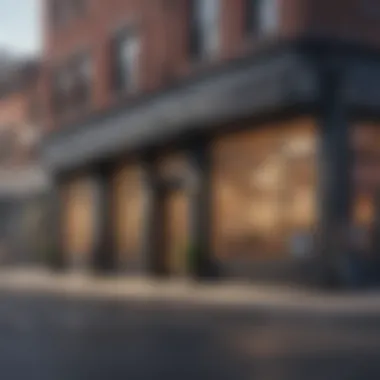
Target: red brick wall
(164, 35)
(354, 20)
(164, 38)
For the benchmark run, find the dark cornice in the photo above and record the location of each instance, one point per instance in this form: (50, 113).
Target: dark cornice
(280, 75)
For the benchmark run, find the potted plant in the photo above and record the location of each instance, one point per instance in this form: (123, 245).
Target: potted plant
(194, 260)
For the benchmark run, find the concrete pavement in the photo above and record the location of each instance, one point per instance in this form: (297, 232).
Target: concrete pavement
(228, 294)
(45, 337)
(78, 327)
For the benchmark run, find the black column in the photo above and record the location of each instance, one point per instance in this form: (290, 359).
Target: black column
(335, 177)
(103, 244)
(148, 258)
(375, 242)
(54, 226)
(199, 188)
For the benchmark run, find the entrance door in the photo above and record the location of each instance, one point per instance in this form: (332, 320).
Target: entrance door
(176, 233)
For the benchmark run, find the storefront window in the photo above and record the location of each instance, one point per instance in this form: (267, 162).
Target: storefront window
(264, 191)
(128, 198)
(78, 222)
(366, 177)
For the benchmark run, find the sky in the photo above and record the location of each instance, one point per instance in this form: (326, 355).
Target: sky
(20, 26)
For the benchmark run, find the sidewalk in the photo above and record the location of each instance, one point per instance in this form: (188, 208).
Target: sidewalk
(225, 294)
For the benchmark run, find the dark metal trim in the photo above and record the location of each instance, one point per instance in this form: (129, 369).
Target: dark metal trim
(103, 254)
(281, 80)
(334, 191)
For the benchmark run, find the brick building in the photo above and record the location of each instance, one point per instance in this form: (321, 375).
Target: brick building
(22, 180)
(236, 137)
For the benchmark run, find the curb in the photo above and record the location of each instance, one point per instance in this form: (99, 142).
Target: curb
(226, 295)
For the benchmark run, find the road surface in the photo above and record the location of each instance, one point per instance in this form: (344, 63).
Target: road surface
(56, 338)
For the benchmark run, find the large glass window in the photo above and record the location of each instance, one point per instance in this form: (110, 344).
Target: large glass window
(366, 177)
(264, 185)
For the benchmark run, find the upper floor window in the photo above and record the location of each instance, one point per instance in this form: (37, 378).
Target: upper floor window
(34, 111)
(7, 143)
(62, 84)
(82, 67)
(204, 28)
(262, 16)
(79, 7)
(57, 12)
(125, 56)
(72, 84)
(62, 11)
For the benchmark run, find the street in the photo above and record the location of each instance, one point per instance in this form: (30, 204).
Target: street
(57, 338)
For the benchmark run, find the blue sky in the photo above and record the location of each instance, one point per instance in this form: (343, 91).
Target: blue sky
(19, 25)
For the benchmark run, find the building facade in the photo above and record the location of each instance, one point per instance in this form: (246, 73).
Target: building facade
(23, 183)
(213, 137)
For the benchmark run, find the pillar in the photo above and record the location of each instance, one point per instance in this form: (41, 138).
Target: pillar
(335, 182)
(103, 245)
(199, 184)
(147, 263)
(375, 243)
(53, 226)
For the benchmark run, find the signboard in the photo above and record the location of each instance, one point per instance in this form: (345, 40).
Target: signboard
(301, 244)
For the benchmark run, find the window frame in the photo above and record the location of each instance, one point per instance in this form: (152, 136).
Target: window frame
(62, 12)
(83, 81)
(57, 13)
(262, 17)
(79, 7)
(204, 29)
(121, 82)
(74, 90)
(60, 91)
